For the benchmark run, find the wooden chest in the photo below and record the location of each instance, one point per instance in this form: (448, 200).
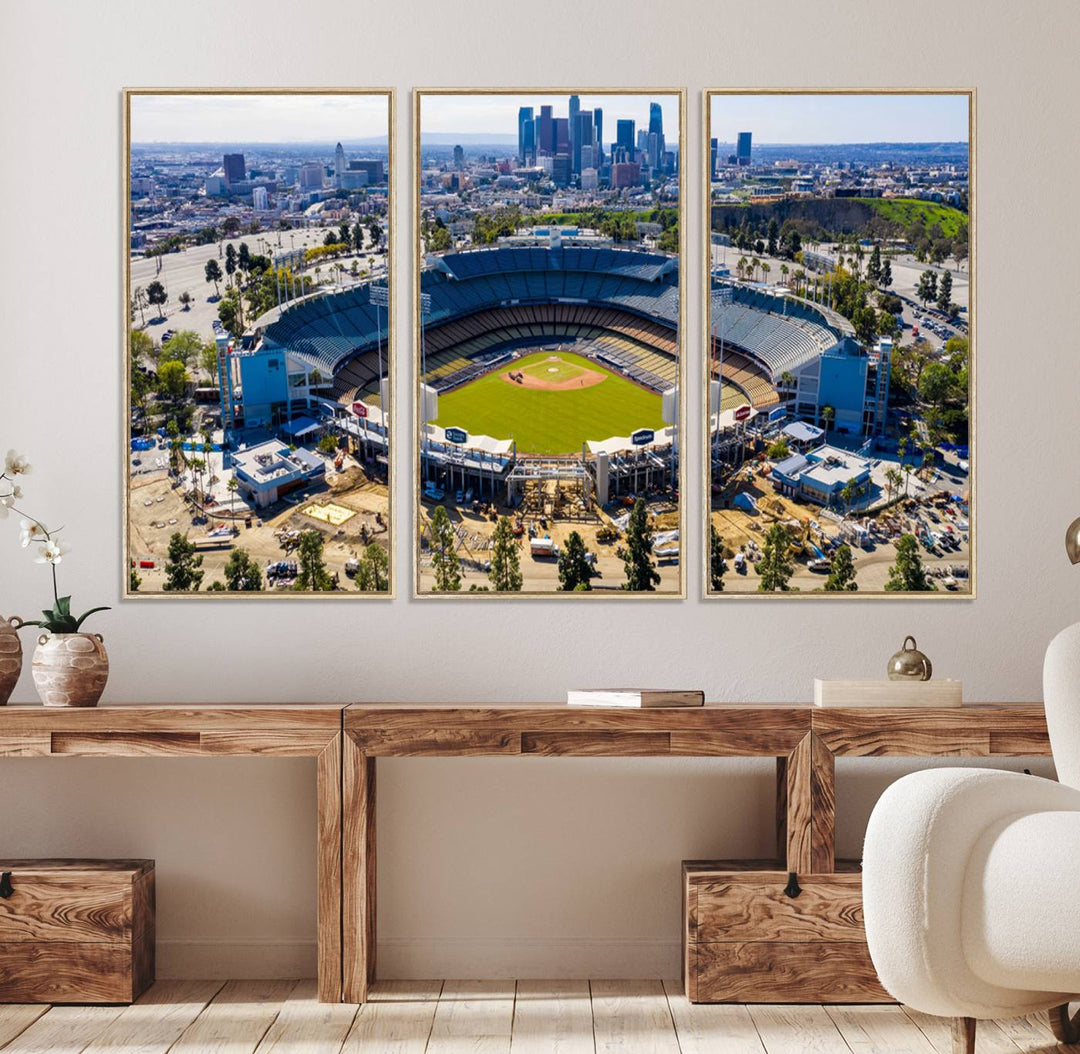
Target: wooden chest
(76, 931)
(751, 937)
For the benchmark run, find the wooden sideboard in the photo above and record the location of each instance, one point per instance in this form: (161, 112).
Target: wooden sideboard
(805, 741)
(303, 730)
(346, 741)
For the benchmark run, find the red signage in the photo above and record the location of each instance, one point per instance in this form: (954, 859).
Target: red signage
(743, 412)
(359, 409)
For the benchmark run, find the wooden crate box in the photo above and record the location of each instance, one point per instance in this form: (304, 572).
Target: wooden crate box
(76, 931)
(747, 940)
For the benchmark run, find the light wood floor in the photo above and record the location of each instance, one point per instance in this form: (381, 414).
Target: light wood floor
(483, 1017)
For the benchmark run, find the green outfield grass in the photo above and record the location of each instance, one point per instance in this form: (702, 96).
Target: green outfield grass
(553, 422)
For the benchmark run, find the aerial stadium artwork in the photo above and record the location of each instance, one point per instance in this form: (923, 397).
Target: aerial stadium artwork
(839, 303)
(549, 343)
(259, 365)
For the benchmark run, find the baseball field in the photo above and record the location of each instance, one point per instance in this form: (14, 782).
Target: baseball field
(550, 403)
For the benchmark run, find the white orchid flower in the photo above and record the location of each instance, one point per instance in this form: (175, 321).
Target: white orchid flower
(31, 531)
(52, 552)
(16, 464)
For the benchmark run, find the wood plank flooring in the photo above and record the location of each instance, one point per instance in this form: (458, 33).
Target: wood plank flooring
(484, 1017)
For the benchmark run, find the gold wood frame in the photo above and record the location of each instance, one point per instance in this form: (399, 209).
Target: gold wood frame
(595, 596)
(391, 344)
(706, 261)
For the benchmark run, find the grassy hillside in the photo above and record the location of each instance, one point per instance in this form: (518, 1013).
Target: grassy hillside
(550, 422)
(906, 211)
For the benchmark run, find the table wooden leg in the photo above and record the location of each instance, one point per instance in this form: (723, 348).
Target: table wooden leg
(329, 868)
(806, 807)
(358, 890)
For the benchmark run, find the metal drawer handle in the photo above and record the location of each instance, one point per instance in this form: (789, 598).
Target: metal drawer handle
(792, 889)
(5, 885)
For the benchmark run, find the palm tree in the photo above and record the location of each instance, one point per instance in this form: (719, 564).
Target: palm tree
(800, 282)
(784, 269)
(827, 415)
(765, 269)
(787, 382)
(893, 478)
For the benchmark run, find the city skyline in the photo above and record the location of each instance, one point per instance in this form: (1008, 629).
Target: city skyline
(270, 119)
(818, 119)
(498, 114)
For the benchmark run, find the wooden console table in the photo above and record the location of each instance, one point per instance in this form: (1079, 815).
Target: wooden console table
(210, 731)
(805, 741)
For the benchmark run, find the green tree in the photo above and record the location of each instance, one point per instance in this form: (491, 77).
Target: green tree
(439, 240)
(873, 268)
(717, 562)
(778, 449)
(775, 567)
(182, 571)
(444, 558)
(242, 573)
(886, 273)
(575, 571)
(185, 300)
(373, 573)
(926, 290)
(505, 572)
(134, 580)
(773, 231)
(173, 379)
(328, 444)
(142, 347)
(209, 360)
(828, 415)
(841, 572)
(183, 346)
(212, 271)
(230, 261)
(907, 574)
(641, 573)
(156, 296)
(944, 297)
(312, 575)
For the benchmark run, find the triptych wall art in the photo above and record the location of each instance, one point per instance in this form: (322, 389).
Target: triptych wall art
(548, 358)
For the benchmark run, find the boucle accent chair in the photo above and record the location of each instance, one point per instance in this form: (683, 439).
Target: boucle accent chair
(971, 880)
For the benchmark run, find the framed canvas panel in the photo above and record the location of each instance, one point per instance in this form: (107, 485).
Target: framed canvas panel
(549, 342)
(258, 308)
(839, 354)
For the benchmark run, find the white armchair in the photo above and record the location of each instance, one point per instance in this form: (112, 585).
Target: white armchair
(971, 880)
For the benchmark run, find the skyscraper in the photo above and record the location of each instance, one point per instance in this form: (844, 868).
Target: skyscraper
(459, 156)
(742, 151)
(714, 149)
(545, 139)
(656, 125)
(625, 137)
(340, 164)
(598, 128)
(581, 136)
(575, 107)
(561, 133)
(526, 134)
(235, 169)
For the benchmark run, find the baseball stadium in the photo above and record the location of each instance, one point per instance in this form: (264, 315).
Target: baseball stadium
(550, 362)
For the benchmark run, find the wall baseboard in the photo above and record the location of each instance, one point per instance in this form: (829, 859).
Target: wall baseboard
(417, 958)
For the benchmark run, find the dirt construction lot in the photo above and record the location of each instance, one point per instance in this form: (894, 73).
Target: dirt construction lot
(540, 574)
(158, 509)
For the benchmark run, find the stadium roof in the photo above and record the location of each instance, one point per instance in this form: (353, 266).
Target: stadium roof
(782, 332)
(640, 282)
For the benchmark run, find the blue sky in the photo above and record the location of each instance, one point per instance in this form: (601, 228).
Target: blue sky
(277, 118)
(857, 118)
(476, 114)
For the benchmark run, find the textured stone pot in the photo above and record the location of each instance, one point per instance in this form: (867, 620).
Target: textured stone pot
(10, 656)
(70, 669)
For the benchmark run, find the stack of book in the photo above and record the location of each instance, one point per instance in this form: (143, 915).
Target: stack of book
(888, 693)
(633, 697)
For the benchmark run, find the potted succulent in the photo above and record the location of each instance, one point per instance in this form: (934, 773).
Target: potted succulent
(70, 667)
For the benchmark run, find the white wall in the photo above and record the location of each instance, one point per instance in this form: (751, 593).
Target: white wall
(549, 865)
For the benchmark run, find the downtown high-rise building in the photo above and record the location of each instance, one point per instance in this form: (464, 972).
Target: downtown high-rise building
(656, 127)
(341, 166)
(234, 168)
(561, 134)
(459, 156)
(575, 107)
(526, 135)
(625, 138)
(598, 133)
(581, 141)
(714, 150)
(545, 138)
(742, 149)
